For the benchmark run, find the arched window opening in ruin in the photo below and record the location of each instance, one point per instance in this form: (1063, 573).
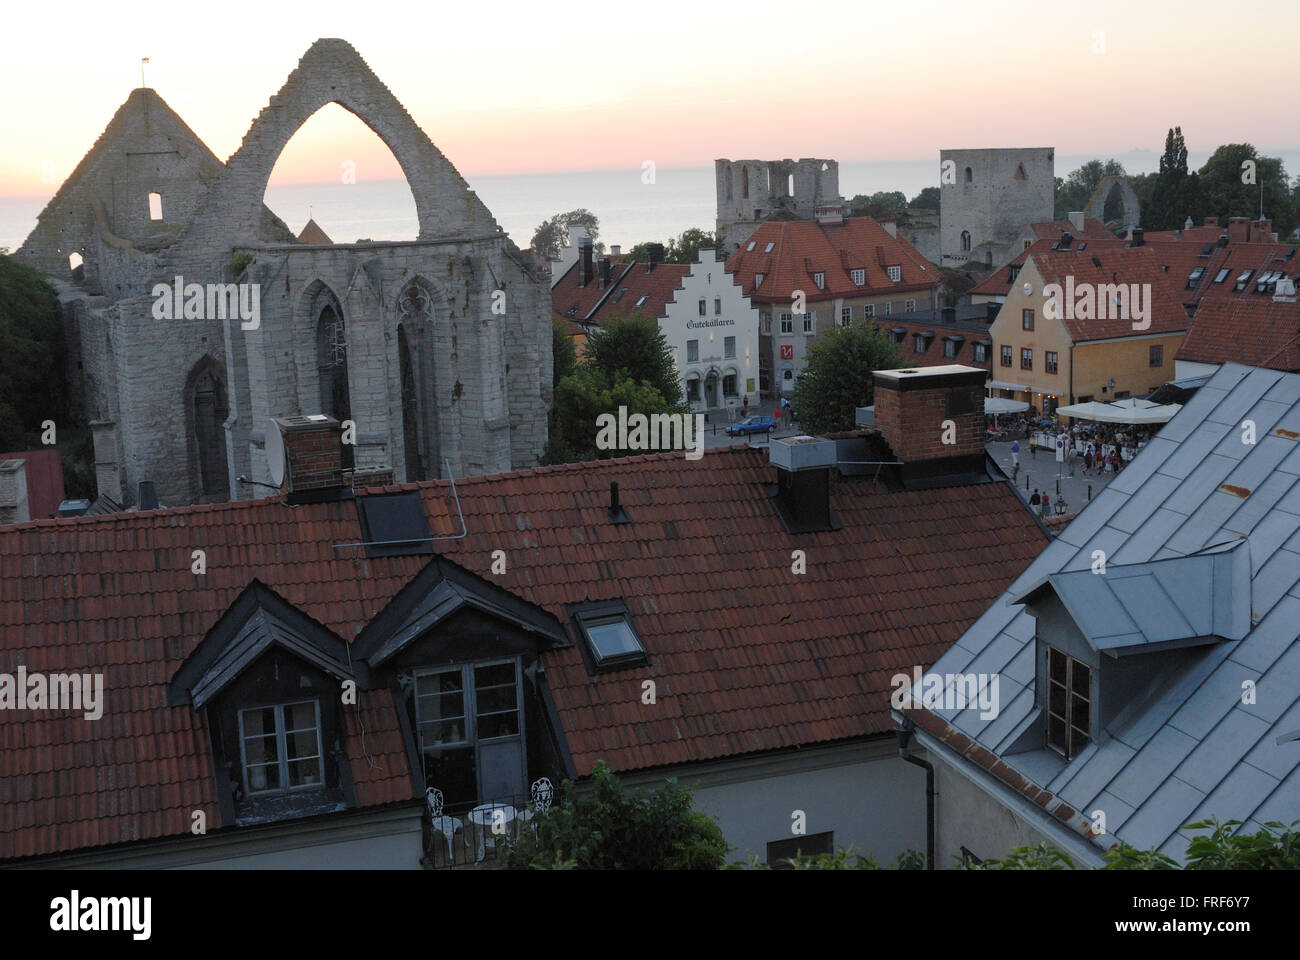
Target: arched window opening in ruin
(1113, 208)
(208, 410)
(970, 175)
(727, 177)
(332, 364)
(75, 265)
(410, 409)
(789, 185)
(965, 241)
(337, 172)
(744, 183)
(155, 206)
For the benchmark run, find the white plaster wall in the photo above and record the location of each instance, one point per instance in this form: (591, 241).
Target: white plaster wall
(739, 318)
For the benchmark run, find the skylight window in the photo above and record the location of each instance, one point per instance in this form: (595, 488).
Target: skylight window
(1241, 280)
(641, 302)
(394, 524)
(1221, 275)
(611, 640)
(750, 248)
(768, 248)
(1194, 277)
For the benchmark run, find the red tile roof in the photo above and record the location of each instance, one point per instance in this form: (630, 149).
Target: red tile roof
(1127, 265)
(801, 248)
(998, 283)
(629, 282)
(1251, 329)
(933, 355)
(1093, 229)
(44, 481)
(747, 657)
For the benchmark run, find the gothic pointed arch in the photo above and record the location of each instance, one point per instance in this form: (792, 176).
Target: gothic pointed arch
(331, 71)
(207, 406)
(419, 305)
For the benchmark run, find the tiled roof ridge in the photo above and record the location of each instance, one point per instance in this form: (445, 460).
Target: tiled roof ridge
(971, 750)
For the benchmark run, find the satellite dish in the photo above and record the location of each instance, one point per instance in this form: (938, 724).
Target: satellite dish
(275, 459)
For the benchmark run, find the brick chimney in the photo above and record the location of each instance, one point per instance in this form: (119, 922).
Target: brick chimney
(14, 507)
(1239, 229)
(1211, 221)
(917, 410)
(584, 261)
(1261, 231)
(313, 453)
(803, 477)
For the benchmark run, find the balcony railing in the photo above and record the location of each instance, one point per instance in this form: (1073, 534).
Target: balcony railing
(474, 834)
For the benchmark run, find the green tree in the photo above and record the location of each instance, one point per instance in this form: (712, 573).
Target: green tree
(631, 346)
(563, 352)
(552, 234)
(1230, 188)
(606, 827)
(32, 385)
(582, 397)
(883, 204)
(1077, 188)
(683, 248)
(927, 199)
(837, 377)
(1174, 194)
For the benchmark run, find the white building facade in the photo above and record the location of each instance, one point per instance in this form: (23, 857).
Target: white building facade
(713, 331)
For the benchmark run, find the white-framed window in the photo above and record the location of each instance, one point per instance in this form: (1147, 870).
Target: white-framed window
(846, 316)
(859, 277)
(869, 310)
(692, 351)
(809, 322)
(909, 305)
(950, 348)
(820, 280)
(729, 348)
(280, 747)
(1069, 703)
(457, 706)
(765, 322)
(895, 273)
(787, 323)
(758, 280)
(717, 306)
(889, 308)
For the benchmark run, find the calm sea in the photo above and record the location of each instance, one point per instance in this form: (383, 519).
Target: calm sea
(630, 211)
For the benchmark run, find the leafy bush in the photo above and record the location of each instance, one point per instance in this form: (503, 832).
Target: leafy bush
(608, 828)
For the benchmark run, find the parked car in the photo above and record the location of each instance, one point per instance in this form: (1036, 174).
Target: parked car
(756, 424)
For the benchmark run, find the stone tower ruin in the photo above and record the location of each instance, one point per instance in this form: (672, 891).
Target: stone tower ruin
(987, 197)
(751, 191)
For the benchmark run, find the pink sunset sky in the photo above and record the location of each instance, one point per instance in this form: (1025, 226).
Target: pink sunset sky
(512, 87)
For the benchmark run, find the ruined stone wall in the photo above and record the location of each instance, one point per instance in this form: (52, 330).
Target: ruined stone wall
(796, 187)
(481, 377)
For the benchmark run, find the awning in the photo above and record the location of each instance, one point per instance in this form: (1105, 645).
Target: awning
(1007, 386)
(1131, 411)
(1002, 405)
(1050, 393)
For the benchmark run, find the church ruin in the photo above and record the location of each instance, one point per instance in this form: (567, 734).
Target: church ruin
(438, 349)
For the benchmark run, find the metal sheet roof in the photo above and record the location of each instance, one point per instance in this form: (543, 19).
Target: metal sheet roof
(1185, 555)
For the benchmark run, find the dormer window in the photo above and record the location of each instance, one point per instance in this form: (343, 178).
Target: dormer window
(820, 280)
(611, 641)
(281, 747)
(859, 277)
(895, 273)
(1069, 703)
(758, 280)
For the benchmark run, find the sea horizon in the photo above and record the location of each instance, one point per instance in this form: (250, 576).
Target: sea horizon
(630, 209)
